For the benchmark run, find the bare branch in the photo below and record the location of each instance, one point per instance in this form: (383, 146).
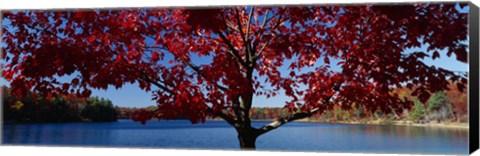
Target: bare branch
(265, 19)
(249, 22)
(297, 116)
(268, 20)
(247, 37)
(286, 119)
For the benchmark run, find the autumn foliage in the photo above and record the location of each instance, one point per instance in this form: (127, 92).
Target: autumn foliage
(201, 63)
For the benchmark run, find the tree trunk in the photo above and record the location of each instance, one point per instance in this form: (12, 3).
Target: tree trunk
(247, 139)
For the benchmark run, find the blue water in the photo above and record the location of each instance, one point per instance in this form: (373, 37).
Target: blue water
(317, 137)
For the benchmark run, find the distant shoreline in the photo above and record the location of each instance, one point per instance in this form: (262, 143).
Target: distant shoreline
(401, 123)
(55, 122)
(457, 125)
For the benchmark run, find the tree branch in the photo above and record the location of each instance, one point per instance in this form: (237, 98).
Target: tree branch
(229, 25)
(237, 109)
(286, 119)
(265, 19)
(269, 19)
(199, 71)
(265, 45)
(163, 87)
(247, 37)
(239, 23)
(232, 50)
(249, 22)
(222, 115)
(192, 66)
(297, 116)
(243, 36)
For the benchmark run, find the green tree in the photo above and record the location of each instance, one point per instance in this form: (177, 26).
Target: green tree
(359, 112)
(96, 109)
(59, 110)
(418, 111)
(439, 107)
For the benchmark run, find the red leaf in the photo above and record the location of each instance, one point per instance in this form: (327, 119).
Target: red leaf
(435, 55)
(131, 53)
(460, 87)
(327, 61)
(91, 39)
(155, 57)
(210, 19)
(65, 86)
(142, 116)
(75, 81)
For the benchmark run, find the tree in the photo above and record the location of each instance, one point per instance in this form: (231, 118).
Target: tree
(340, 53)
(358, 112)
(418, 112)
(459, 102)
(439, 107)
(125, 112)
(99, 109)
(68, 108)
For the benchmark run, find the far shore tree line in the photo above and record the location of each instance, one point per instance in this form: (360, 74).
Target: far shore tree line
(441, 107)
(446, 106)
(35, 108)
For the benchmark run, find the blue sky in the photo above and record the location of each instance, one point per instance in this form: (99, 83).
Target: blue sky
(130, 95)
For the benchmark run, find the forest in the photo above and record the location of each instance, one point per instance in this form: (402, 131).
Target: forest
(35, 108)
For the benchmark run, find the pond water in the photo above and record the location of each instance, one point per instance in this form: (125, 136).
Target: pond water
(296, 136)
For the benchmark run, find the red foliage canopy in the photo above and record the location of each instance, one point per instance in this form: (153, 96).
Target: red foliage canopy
(333, 53)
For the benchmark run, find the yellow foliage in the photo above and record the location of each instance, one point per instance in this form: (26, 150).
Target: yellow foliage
(18, 105)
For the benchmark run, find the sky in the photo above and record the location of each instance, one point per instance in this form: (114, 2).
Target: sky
(130, 95)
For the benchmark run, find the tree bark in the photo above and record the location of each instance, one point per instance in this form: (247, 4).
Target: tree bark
(247, 139)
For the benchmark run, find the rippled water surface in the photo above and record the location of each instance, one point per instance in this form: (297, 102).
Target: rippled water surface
(219, 135)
